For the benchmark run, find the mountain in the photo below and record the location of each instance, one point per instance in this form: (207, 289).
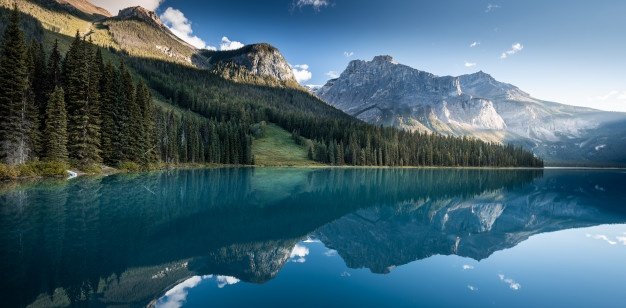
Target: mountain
(385, 92)
(256, 63)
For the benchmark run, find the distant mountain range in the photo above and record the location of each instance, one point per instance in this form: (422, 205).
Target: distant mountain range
(385, 92)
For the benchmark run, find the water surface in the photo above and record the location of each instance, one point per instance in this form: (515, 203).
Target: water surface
(317, 237)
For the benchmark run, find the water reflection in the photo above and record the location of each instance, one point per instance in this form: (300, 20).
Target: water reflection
(130, 239)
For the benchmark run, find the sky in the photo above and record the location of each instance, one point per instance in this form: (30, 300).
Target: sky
(570, 52)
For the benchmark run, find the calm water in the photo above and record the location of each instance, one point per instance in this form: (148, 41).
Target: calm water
(320, 237)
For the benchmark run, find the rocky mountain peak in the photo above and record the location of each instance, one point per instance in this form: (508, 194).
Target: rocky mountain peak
(383, 58)
(141, 14)
(255, 62)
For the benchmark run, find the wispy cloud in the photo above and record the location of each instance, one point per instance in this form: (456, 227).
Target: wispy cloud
(512, 283)
(348, 54)
(227, 44)
(474, 44)
(176, 21)
(491, 7)
(332, 74)
(315, 4)
(605, 238)
(467, 267)
(471, 287)
(469, 64)
(301, 72)
(515, 48)
(330, 253)
(612, 95)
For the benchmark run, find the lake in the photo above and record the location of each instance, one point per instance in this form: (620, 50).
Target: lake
(317, 237)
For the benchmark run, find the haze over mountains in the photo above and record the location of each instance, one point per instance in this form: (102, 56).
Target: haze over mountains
(382, 91)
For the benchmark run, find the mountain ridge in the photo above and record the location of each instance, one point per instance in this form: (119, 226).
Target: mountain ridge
(384, 92)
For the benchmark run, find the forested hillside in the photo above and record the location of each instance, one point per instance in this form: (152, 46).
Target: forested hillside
(96, 105)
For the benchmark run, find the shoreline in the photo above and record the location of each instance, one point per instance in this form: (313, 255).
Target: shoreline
(107, 171)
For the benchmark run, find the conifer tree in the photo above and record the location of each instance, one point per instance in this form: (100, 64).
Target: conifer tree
(14, 129)
(54, 72)
(126, 98)
(94, 63)
(76, 86)
(108, 106)
(55, 142)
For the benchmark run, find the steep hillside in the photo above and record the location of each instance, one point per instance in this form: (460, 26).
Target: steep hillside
(384, 92)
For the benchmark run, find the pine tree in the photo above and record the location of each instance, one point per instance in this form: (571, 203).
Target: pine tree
(55, 145)
(108, 106)
(93, 104)
(146, 104)
(14, 106)
(76, 86)
(126, 99)
(54, 70)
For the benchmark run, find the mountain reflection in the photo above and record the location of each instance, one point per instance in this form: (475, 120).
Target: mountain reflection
(123, 239)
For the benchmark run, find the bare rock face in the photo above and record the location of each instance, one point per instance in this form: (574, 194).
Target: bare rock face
(141, 14)
(382, 91)
(259, 63)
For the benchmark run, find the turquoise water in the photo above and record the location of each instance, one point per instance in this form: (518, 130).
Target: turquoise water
(317, 237)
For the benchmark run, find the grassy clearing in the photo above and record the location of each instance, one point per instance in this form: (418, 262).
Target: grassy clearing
(277, 148)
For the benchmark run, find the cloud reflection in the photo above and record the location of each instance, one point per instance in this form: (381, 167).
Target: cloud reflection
(514, 285)
(299, 253)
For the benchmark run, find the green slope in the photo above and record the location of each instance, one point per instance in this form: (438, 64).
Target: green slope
(277, 148)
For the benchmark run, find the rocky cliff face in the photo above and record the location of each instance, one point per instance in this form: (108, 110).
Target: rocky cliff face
(258, 63)
(384, 92)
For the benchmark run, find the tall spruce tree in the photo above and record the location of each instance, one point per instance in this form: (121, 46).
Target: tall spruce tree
(14, 105)
(75, 84)
(108, 108)
(81, 82)
(94, 63)
(54, 69)
(123, 113)
(55, 142)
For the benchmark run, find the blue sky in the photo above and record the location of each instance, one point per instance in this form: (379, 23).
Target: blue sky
(566, 51)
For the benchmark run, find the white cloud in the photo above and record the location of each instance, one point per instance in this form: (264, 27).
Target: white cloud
(605, 238)
(467, 267)
(348, 54)
(176, 296)
(475, 44)
(176, 21)
(332, 74)
(491, 7)
(330, 253)
(227, 44)
(114, 6)
(471, 287)
(612, 95)
(515, 48)
(298, 253)
(621, 239)
(512, 283)
(223, 281)
(315, 4)
(301, 72)
(469, 64)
